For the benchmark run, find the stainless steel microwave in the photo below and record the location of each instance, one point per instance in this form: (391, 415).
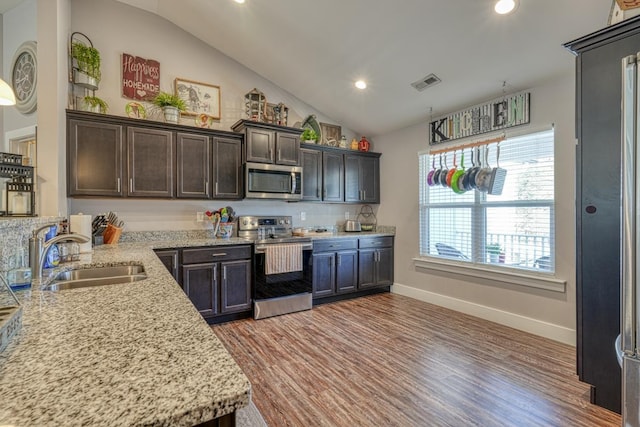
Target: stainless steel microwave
(266, 181)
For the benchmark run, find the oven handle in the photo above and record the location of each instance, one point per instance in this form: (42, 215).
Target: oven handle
(293, 183)
(260, 249)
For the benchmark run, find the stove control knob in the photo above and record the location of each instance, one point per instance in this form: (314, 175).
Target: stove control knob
(281, 221)
(286, 221)
(245, 222)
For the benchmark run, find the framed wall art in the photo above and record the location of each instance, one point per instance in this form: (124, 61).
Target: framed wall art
(330, 134)
(201, 98)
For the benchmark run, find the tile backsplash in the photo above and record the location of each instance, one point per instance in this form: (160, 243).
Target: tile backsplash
(15, 233)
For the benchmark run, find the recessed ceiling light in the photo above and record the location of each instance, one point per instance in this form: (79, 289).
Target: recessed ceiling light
(503, 7)
(361, 84)
(239, 1)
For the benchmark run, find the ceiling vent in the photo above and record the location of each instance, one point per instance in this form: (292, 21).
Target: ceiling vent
(425, 82)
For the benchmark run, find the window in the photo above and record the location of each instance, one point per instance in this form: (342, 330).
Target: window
(514, 229)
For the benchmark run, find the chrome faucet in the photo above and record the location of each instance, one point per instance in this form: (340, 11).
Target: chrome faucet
(38, 248)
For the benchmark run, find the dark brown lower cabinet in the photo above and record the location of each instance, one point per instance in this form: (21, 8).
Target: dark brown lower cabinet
(375, 262)
(169, 258)
(217, 280)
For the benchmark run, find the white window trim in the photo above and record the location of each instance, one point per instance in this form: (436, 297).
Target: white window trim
(504, 275)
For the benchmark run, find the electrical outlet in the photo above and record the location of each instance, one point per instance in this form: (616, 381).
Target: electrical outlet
(199, 216)
(303, 216)
(346, 215)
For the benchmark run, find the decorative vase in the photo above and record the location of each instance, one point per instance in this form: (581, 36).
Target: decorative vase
(363, 145)
(171, 114)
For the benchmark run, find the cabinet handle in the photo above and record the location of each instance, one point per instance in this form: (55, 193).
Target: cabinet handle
(224, 274)
(216, 187)
(279, 154)
(364, 194)
(339, 258)
(118, 183)
(206, 187)
(220, 254)
(130, 185)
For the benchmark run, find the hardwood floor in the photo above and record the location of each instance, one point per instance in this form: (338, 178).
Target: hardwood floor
(388, 360)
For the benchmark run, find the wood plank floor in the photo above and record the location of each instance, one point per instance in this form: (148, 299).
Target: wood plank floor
(388, 360)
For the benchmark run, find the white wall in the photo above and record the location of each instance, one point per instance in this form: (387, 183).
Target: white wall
(115, 28)
(546, 312)
(18, 25)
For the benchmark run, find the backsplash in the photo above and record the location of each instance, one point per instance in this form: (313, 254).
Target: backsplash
(15, 233)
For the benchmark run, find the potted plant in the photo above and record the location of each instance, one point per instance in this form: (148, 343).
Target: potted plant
(494, 250)
(309, 136)
(171, 104)
(87, 74)
(95, 104)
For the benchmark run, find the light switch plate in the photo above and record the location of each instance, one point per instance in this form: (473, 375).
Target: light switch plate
(199, 216)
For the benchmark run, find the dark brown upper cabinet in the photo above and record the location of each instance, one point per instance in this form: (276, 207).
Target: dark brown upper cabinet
(266, 143)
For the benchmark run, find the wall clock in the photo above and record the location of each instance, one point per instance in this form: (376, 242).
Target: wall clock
(24, 77)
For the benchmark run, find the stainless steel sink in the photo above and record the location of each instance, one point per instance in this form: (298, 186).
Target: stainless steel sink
(96, 276)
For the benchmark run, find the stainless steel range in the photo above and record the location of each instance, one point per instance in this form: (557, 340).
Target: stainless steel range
(282, 265)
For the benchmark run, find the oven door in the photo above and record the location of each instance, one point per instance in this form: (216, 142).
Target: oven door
(281, 293)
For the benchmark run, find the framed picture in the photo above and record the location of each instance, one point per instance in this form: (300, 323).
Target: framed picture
(201, 98)
(331, 134)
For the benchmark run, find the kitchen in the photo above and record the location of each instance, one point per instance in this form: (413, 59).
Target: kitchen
(547, 314)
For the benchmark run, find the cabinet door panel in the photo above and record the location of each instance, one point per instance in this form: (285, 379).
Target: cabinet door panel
(94, 159)
(370, 179)
(352, 178)
(323, 274)
(227, 168)
(151, 162)
(312, 176)
(333, 177)
(287, 149)
(193, 158)
(199, 282)
(169, 257)
(385, 267)
(366, 268)
(260, 145)
(346, 271)
(235, 286)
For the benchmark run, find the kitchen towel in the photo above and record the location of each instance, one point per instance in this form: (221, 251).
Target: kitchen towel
(282, 258)
(81, 224)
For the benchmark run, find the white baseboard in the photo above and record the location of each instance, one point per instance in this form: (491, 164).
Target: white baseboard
(516, 321)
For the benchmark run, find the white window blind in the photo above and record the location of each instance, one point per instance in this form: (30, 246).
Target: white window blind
(514, 229)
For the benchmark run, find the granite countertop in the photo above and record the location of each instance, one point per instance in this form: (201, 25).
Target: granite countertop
(127, 354)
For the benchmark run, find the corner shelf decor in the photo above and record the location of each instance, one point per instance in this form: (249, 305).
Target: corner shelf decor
(19, 191)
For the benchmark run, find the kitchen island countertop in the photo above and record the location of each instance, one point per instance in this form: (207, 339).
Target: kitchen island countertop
(118, 355)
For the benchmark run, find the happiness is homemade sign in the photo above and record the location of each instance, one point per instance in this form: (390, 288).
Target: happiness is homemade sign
(140, 77)
(505, 112)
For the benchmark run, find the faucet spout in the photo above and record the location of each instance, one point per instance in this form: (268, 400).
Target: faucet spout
(38, 248)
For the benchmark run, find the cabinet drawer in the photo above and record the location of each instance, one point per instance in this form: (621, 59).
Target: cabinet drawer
(219, 253)
(334, 245)
(376, 242)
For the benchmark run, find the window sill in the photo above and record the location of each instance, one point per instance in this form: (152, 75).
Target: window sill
(505, 275)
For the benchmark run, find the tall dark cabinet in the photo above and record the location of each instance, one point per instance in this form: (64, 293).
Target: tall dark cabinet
(598, 204)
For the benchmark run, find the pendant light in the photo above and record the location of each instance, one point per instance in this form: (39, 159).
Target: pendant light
(7, 96)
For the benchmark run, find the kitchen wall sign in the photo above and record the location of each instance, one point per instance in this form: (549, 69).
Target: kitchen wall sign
(500, 113)
(140, 77)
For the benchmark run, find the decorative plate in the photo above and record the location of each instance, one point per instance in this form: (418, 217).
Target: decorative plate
(135, 110)
(202, 120)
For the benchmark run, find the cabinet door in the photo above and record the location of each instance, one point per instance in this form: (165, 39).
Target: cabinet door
(384, 266)
(287, 149)
(235, 286)
(323, 274)
(151, 162)
(260, 145)
(362, 178)
(346, 271)
(367, 268)
(193, 158)
(199, 282)
(169, 257)
(227, 168)
(94, 153)
(312, 174)
(369, 179)
(332, 177)
(352, 178)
